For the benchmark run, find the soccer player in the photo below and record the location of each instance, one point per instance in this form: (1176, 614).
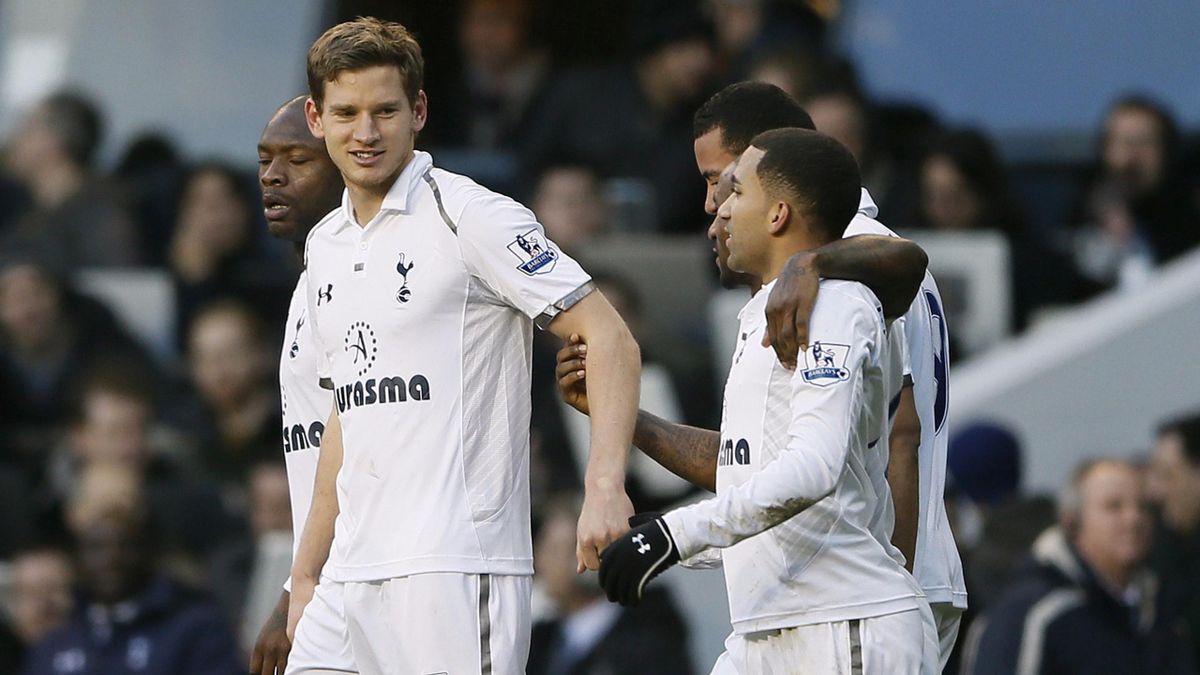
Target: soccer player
(894, 270)
(816, 590)
(424, 289)
(299, 186)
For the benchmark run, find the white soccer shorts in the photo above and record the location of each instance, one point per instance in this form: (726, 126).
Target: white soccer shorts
(322, 644)
(948, 618)
(430, 624)
(900, 643)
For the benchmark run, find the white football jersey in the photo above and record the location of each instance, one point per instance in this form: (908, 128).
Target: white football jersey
(306, 407)
(925, 351)
(797, 473)
(425, 318)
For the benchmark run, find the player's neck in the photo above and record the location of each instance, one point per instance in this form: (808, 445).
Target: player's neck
(782, 250)
(366, 201)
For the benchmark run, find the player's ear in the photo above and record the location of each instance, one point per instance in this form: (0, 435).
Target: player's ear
(779, 215)
(312, 115)
(420, 111)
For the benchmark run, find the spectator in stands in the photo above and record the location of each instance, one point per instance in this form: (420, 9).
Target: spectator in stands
(247, 573)
(40, 600)
(655, 95)
(113, 425)
(503, 79)
(995, 524)
(1175, 488)
(48, 336)
(215, 250)
(738, 26)
(152, 171)
(964, 187)
(796, 72)
(591, 636)
(231, 370)
(75, 219)
(129, 617)
(569, 203)
(1135, 213)
(1087, 602)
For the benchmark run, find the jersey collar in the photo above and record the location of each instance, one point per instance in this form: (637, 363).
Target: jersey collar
(866, 205)
(398, 195)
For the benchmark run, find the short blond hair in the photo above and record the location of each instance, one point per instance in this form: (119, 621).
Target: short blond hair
(362, 43)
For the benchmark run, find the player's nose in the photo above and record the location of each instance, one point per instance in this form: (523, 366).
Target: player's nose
(271, 175)
(365, 130)
(710, 201)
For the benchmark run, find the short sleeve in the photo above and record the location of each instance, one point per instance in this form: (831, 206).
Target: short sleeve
(898, 340)
(504, 246)
(313, 295)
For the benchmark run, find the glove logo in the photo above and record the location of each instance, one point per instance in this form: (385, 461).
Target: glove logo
(640, 540)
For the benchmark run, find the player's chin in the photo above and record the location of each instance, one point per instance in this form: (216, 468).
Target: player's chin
(282, 229)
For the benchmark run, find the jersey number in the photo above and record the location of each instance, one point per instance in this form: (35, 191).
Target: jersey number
(941, 354)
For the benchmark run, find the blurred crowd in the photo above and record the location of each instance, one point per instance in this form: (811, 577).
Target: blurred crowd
(143, 482)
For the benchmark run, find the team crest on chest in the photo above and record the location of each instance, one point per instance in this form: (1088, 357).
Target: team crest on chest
(404, 294)
(825, 364)
(534, 252)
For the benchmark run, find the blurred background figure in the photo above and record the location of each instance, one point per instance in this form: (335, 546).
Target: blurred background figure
(152, 171)
(75, 219)
(1174, 486)
(42, 579)
(656, 93)
(504, 78)
(994, 521)
(1135, 212)
(569, 202)
(964, 187)
(1086, 602)
(589, 635)
(246, 572)
(48, 336)
(237, 421)
(217, 250)
(129, 617)
(115, 425)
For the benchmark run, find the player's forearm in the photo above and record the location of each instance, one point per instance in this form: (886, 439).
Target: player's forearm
(903, 475)
(891, 267)
(785, 487)
(903, 480)
(687, 452)
(614, 376)
(317, 537)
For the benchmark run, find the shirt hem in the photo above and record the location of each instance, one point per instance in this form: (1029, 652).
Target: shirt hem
(812, 615)
(403, 568)
(946, 595)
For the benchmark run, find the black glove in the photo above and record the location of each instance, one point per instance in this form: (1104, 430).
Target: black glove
(635, 558)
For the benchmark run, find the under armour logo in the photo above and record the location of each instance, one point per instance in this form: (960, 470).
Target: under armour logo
(640, 540)
(325, 294)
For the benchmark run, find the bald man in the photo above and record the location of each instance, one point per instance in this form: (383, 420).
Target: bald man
(1086, 602)
(300, 185)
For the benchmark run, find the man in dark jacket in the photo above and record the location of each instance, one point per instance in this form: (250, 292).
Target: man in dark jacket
(1086, 602)
(130, 619)
(1175, 489)
(591, 636)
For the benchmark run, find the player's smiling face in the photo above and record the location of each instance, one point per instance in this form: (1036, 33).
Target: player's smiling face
(745, 212)
(369, 125)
